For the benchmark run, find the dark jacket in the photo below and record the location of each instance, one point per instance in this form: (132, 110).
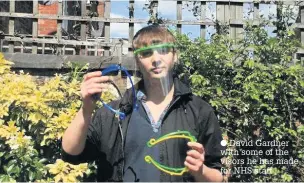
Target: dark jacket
(106, 135)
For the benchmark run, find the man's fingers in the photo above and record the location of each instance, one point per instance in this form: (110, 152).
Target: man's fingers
(193, 161)
(195, 154)
(102, 79)
(91, 75)
(197, 146)
(98, 85)
(92, 91)
(191, 167)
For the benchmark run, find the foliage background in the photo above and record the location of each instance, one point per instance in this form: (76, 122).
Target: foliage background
(255, 85)
(33, 118)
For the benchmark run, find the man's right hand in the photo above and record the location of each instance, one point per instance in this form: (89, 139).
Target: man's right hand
(93, 83)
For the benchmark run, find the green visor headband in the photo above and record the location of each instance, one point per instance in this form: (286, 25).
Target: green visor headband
(166, 169)
(157, 47)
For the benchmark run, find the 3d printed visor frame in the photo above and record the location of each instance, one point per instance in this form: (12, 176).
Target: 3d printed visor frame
(153, 47)
(173, 135)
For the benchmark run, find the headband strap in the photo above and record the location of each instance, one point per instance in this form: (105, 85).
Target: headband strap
(113, 68)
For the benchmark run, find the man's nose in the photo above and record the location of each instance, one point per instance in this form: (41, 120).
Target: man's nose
(156, 63)
(156, 56)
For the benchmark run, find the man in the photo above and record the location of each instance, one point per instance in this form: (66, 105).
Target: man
(165, 105)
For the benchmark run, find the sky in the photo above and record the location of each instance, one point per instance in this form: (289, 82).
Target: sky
(167, 10)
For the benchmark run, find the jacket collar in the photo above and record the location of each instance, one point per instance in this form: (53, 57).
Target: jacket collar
(180, 89)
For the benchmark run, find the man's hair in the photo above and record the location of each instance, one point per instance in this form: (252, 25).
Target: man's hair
(152, 34)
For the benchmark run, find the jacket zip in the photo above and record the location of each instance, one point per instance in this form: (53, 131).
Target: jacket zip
(167, 112)
(175, 100)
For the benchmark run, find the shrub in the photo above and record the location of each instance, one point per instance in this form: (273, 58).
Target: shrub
(33, 118)
(257, 90)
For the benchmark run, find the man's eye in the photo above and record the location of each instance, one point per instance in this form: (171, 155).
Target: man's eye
(146, 53)
(164, 50)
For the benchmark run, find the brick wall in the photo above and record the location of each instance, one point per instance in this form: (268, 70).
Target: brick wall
(100, 8)
(49, 27)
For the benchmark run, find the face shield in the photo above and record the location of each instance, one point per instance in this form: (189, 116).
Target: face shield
(156, 62)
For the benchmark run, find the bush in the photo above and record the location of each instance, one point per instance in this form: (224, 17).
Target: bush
(33, 118)
(257, 90)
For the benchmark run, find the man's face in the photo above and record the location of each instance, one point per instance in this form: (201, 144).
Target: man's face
(156, 61)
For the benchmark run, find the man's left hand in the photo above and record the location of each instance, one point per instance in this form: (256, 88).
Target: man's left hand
(195, 158)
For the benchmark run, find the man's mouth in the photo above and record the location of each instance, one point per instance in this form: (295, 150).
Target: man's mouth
(157, 70)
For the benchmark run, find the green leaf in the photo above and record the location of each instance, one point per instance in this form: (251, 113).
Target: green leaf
(219, 91)
(249, 63)
(32, 175)
(8, 155)
(300, 129)
(16, 170)
(5, 178)
(10, 169)
(43, 160)
(12, 162)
